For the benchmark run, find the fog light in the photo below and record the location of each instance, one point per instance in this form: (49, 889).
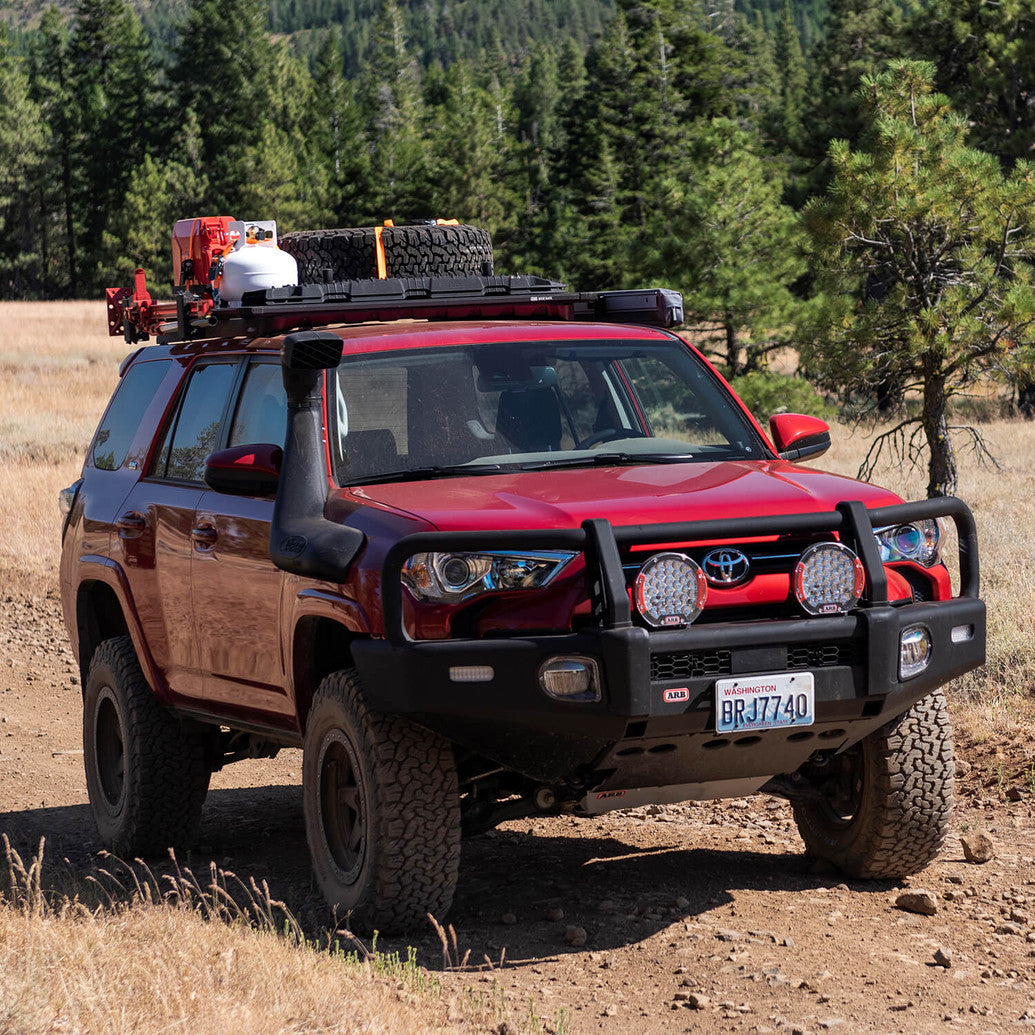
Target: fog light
(471, 673)
(829, 579)
(914, 651)
(670, 590)
(572, 678)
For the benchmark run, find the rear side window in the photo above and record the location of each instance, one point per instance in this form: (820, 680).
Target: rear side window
(195, 431)
(132, 397)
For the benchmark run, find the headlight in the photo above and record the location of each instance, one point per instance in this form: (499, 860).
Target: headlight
(918, 541)
(453, 577)
(829, 579)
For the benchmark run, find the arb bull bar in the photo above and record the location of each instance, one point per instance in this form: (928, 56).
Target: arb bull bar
(637, 736)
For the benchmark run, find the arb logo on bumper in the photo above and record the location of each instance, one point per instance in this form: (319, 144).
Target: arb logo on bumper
(679, 694)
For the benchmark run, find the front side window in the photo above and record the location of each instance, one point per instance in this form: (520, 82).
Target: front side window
(530, 405)
(194, 433)
(261, 414)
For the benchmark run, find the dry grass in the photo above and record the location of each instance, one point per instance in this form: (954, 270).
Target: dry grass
(151, 960)
(58, 368)
(999, 698)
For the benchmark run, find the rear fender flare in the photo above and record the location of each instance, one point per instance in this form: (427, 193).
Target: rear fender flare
(97, 569)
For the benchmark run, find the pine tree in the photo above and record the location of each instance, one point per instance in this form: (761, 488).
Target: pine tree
(923, 248)
(234, 106)
(110, 85)
(985, 55)
(22, 150)
(336, 134)
(390, 93)
(54, 194)
(858, 36)
(732, 246)
(793, 81)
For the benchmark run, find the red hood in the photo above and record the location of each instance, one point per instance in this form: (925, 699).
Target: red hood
(625, 495)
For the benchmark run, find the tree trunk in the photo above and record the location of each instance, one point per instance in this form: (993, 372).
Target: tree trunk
(942, 478)
(732, 350)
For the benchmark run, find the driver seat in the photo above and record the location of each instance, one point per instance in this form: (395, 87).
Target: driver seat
(530, 419)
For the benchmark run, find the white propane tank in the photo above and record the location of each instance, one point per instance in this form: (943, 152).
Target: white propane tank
(256, 265)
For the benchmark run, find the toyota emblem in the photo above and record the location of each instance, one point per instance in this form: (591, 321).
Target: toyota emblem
(725, 567)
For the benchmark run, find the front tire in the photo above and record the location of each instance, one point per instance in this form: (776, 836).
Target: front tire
(886, 802)
(146, 775)
(382, 811)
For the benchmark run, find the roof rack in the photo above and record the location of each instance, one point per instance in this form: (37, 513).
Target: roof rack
(133, 314)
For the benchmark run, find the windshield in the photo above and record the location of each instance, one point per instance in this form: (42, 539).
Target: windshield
(528, 406)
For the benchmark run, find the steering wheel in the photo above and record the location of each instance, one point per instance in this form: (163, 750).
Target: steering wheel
(609, 435)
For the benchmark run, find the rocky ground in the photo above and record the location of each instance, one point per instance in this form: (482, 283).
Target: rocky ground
(702, 916)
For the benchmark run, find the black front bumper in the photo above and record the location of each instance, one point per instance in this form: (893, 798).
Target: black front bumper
(633, 737)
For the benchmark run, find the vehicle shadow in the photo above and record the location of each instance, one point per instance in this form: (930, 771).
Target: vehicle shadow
(518, 892)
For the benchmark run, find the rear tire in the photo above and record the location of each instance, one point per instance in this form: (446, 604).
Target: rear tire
(888, 800)
(146, 775)
(382, 811)
(410, 251)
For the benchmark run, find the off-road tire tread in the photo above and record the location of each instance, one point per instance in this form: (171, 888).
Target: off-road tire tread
(413, 829)
(349, 253)
(908, 803)
(166, 770)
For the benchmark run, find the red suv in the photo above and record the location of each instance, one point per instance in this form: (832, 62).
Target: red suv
(487, 549)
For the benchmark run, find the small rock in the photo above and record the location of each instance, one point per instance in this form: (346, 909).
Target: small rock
(962, 767)
(698, 1001)
(918, 901)
(978, 847)
(943, 957)
(610, 1011)
(555, 914)
(575, 935)
(724, 934)
(1010, 928)
(788, 942)
(1015, 793)
(830, 1022)
(508, 918)
(1019, 916)
(681, 997)
(682, 902)
(607, 907)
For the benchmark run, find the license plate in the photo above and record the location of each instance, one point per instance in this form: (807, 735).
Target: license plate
(765, 702)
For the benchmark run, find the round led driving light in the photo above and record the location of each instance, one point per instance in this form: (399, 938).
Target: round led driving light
(670, 590)
(829, 579)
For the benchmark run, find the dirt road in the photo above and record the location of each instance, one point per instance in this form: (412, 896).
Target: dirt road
(692, 917)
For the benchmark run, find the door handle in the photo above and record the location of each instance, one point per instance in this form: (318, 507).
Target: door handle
(131, 525)
(204, 537)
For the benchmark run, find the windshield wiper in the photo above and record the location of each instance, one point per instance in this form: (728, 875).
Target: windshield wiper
(416, 474)
(608, 460)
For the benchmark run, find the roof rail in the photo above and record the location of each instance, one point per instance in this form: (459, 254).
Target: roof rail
(132, 313)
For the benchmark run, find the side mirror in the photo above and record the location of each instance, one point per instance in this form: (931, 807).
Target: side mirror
(798, 437)
(251, 470)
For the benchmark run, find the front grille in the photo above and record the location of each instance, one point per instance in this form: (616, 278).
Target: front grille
(699, 664)
(693, 664)
(823, 655)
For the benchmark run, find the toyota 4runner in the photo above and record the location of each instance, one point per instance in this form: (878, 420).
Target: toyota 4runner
(484, 549)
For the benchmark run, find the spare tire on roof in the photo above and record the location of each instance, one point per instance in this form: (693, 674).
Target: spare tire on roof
(410, 251)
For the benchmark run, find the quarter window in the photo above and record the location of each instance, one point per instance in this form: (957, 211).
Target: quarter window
(134, 395)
